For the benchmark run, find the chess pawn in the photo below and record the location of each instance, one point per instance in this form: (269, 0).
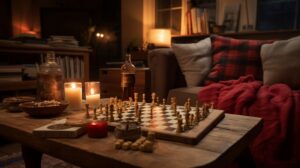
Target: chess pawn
(106, 112)
(130, 101)
(144, 99)
(111, 119)
(192, 119)
(136, 95)
(140, 116)
(164, 104)
(120, 113)
(157, 101)
(151, 111)
(136, 108)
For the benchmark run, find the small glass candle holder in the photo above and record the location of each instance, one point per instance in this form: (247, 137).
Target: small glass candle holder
(92, 94)
(73, 95)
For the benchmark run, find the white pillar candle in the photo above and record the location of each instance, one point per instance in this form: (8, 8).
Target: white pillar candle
(73, 95)
(93, 99)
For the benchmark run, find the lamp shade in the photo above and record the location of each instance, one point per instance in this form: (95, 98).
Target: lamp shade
(160, 37)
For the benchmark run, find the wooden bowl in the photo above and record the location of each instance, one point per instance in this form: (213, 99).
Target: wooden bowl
(12, 103)
(43, 111)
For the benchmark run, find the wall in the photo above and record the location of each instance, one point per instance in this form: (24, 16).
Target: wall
(132, 23)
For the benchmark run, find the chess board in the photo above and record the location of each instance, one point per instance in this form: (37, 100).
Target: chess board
(164, 122)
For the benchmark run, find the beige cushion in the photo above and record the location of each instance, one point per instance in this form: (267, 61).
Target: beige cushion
(281, 62)
(194, 60)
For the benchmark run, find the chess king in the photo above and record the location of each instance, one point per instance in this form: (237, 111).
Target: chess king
(127, 78)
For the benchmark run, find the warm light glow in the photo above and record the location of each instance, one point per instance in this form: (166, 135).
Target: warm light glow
(101, 35)
(92, 91)
(73, 85)
(160, 37)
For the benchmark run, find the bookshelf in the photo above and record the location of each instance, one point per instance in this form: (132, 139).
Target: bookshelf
(22, 51)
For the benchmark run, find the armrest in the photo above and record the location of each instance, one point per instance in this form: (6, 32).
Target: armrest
(165, 72)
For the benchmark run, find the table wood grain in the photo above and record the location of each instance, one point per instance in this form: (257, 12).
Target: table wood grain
(217, 149)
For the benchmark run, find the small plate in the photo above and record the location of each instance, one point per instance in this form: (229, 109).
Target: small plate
(12, 103)
(42, 109)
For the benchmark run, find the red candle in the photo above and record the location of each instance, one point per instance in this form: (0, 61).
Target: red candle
(97, 129)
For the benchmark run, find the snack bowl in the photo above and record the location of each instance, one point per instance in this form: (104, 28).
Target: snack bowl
(44, 109)
(12, 103)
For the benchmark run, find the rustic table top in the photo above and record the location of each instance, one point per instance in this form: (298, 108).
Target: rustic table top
(218, 148)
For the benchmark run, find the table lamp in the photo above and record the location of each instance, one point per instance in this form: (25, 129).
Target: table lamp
(159, 38)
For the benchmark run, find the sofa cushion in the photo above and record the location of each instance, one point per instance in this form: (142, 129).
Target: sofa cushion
(281, 62)
(233, 58)
(194, 60)
(182, 94)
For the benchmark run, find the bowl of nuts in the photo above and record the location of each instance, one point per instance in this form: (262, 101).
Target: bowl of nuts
(43, 109)
(12, 103)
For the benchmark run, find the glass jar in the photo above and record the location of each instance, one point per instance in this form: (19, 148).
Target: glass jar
(50, 80)
(127, 78)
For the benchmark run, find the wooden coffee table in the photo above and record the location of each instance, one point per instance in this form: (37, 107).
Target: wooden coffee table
(219, 147)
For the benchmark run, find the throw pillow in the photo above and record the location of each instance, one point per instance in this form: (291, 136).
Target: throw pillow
(233, 58)
(194, 60)
(281, 62)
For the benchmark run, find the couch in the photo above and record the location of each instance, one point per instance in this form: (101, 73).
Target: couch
(270, 88)
(167, 79)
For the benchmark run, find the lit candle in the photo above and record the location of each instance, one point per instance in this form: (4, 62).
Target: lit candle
(73, 95)
(92, 92)
(97, 129)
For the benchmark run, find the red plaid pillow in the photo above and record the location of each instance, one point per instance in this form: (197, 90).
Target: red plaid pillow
(233, 58)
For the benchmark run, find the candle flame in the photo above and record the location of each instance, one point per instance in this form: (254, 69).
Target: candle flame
(92, 91)
(73, 85)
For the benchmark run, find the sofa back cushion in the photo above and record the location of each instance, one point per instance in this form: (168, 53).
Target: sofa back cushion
(194, 60)
(232, 58)
(281, 62)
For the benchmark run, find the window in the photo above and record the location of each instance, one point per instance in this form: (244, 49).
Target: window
(168, 15)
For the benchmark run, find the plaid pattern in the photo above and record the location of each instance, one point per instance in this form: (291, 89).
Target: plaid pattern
(233, 58)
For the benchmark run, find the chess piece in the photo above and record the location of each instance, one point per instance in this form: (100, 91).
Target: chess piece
(153, 95)
(87, 111)
(157, 101)
(101, 110)
(187, 119)
(111, 112)
(174, 109)
(130, 101)
(95, 114)
(164, 104)
(136, 108)
(179, 125)
(197, 116)
(144, 99)
(106, 112)
(140, 116)
(120, 113)
(151, 111)
(136, 95)
(192, 119)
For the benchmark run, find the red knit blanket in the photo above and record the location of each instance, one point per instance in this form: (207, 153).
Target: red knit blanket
(278, 144)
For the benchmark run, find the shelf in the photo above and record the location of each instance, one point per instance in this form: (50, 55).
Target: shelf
(13, 86)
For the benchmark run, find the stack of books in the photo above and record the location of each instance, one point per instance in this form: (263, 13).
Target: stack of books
(11, 73)
(63, 41)
(197, 20)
